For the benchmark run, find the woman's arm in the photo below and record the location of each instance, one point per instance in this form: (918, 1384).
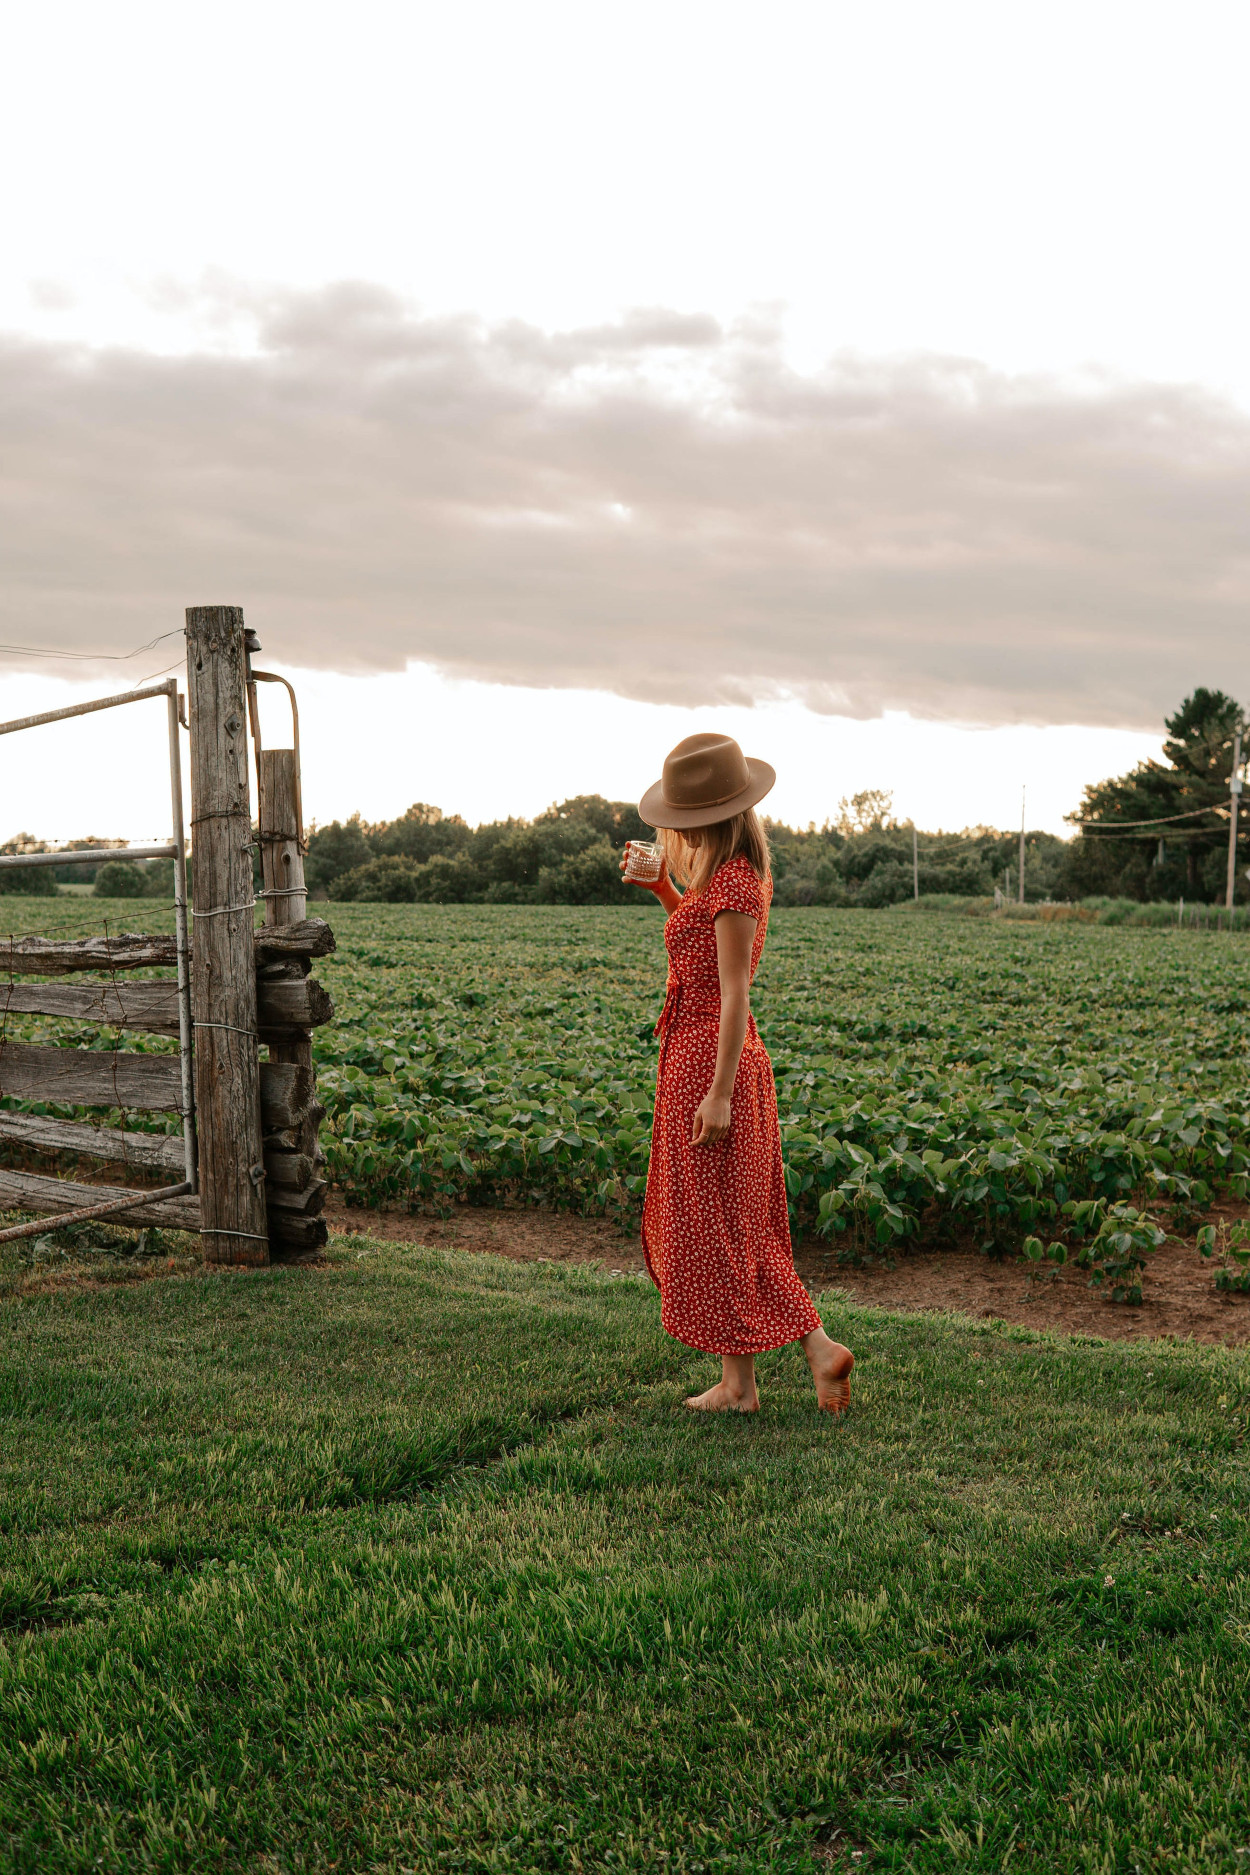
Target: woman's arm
(735, 934)
(663, 887)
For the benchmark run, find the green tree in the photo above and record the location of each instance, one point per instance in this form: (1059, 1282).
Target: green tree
(158, 878)
(79, 874)
(420, 833)
(617, 821)
(589, 877)
(869, 811)
(120, 878)
(389, 881)
(1161, 831)
(27, 881)
(334, 850)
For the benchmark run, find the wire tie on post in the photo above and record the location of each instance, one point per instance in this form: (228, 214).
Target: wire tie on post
(232, 1026)
(218, 911)
(214, 1230)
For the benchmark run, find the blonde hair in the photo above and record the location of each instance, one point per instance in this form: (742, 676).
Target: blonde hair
(693, 862)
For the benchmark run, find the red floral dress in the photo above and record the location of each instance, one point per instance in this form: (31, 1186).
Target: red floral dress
(715, 1226)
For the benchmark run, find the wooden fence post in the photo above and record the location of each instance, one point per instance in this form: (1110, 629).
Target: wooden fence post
(292, 1155)
(223, 982)
(281, 859)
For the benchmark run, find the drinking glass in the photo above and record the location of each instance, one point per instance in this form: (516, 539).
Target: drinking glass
(643, 862)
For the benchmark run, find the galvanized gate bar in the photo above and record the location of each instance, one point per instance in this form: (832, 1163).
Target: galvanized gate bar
(89, 855)
(175, 849)
(86, 709)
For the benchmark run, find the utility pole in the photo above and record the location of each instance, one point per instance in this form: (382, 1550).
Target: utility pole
(1023, 794)
(1234, 790)
(915, 863)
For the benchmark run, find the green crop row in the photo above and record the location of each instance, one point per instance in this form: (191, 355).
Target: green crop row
(947, 1077)
(931, 1076)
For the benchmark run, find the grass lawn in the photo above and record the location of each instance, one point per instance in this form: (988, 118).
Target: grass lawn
(411, 1564)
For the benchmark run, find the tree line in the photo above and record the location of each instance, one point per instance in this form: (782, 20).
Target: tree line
(1128, 843)
(1160, 832)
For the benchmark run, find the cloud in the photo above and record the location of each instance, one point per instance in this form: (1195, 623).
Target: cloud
(660, 507)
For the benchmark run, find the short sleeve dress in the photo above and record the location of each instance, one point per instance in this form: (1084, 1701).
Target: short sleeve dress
(715, 1224)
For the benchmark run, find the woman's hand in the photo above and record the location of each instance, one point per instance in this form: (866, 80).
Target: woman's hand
(711, 1122)
(659, 885)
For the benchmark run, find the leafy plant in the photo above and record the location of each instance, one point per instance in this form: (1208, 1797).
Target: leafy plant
(1118, 1242)
(1031, 1250)
(1232, 1243)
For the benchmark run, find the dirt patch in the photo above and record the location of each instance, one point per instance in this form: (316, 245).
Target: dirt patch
(1179, 1297)
(526, 1236)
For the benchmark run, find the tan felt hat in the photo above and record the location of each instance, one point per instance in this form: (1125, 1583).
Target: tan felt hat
(706, 779)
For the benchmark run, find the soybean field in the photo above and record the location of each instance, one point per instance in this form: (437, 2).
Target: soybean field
(938, 1076)
(934, 1073)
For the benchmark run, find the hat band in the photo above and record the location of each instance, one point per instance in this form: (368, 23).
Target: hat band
(716, 800)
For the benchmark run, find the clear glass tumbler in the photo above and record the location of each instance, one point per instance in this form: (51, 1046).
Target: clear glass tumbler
(643, 862)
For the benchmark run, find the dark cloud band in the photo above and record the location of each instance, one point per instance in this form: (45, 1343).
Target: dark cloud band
(660, 507)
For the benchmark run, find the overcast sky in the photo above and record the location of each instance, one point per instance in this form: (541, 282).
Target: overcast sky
(882, 368)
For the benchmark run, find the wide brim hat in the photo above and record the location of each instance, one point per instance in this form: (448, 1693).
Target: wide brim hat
(706, 778)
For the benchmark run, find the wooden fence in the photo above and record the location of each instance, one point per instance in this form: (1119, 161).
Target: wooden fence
(247, 1170)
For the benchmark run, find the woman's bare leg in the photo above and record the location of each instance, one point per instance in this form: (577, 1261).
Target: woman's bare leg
(831, 1366)
(734, 1392)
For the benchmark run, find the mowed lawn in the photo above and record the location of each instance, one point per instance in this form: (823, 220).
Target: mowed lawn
(414, 1563)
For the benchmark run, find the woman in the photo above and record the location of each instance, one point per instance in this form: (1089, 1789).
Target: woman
(715, 1224)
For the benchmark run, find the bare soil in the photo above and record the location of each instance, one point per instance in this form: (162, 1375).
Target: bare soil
(1179, 1296)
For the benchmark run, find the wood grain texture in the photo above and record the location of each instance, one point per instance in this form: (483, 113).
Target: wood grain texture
(286, 1094)
(223, 980)
(286, 1008)
(56, 957)
(309, 937)
(292, 1206)
(50, 1196)
(130, 950)
(293, 1234)
(151, 1007)
(289, 1171)
(145, 1152)
(301, 1136)
(282, 863)
(307, 1203)
(91, 1077)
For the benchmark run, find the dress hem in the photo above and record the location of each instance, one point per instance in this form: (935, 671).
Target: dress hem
(764, 1347)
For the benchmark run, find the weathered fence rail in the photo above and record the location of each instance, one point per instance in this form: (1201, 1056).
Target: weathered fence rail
(142, 1152)
(250, 1153)
(92, 1077)
(285, 1008)
(130, 950)
(61, 1196)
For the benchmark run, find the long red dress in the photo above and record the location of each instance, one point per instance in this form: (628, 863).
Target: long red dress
(715, 1226)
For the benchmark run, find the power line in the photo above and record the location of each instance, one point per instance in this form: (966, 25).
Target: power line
(177, 665)
(1159, 820)
(1184, 833)
(88, 657)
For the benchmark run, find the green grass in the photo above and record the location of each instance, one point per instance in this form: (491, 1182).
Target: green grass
(413, 1564)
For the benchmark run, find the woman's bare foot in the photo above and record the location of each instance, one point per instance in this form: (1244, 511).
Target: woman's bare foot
(831, 1366)
(735, 1392)
(722, 1398)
